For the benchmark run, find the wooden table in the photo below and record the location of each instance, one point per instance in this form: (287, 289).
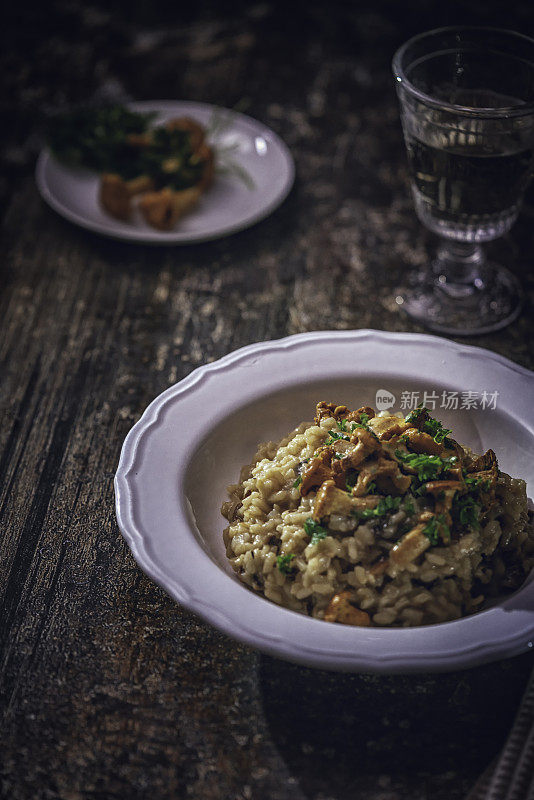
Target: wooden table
(109, 689)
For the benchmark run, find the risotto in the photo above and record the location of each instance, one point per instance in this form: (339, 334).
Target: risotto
(377, 520)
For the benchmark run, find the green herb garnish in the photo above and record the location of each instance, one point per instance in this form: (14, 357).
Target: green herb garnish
(362, 423)
(427, 467)
(430, 425)
(315, 530)
(170, 160)
(466, 511)
(414, 416)
(342, 425)
(106, 139)
(385, 505)
(409, 507)
(297, 482)
(335, 437)
(284, 563)
(97, 138)
(435, 429)
(477, 483)
(435, 527)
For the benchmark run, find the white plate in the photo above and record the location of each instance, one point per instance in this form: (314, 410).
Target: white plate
(192, 440)
(229, 205)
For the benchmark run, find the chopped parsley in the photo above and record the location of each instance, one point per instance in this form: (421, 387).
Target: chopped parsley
(385, 505)
(315, 531)
(297, 482)
(409, 507)
(284, 563)
(430, 425)
(427, 467)
(342, 425)
(435, 527)
(97, 138)
(466, 511)
(335, 436)
(477, 483)
(371, 489)
(415, 415)
(435, 429)
(362, 423)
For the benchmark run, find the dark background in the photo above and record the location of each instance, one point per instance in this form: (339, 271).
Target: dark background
(59, 53)
(108, 689)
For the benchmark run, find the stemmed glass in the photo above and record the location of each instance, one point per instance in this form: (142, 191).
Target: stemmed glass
(467, 109)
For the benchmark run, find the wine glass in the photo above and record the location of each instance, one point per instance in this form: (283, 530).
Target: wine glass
(467, 109)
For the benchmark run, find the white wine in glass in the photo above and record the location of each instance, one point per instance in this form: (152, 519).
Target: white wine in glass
(467, 111)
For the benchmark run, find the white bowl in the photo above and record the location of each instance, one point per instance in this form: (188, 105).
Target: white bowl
(193, 439)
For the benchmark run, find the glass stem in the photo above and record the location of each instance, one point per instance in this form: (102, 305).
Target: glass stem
(458, 267)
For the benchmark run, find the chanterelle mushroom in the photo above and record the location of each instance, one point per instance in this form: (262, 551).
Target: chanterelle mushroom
(362, 444)
(385, 473)
(411, 546)
(386, 427)
(318, 470)
(324, 410)
(444, 493)
(342, 609)
(162, 209)
(363, 471)
(422, 442)
(331, 500)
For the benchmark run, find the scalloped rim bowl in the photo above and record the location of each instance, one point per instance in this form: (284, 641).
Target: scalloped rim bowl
(192, 440)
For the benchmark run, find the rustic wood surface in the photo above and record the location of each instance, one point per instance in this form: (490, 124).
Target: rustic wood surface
(109, 689)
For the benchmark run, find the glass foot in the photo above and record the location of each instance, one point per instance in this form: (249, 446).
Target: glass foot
(464, 308)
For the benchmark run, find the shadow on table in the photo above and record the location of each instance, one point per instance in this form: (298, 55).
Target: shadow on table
(281, 227)
(332, 729)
